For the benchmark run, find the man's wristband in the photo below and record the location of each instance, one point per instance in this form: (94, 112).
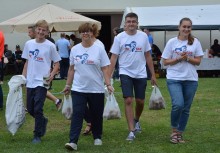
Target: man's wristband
(108, 85)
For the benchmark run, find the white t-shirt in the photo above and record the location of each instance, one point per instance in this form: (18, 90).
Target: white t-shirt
(88, 77)
(182, 70)
(131, 50)
(39, 56)
(99, 43)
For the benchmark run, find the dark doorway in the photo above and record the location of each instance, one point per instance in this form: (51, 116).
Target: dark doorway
(105, 33)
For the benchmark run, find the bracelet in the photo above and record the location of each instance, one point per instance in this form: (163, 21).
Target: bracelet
(108, 85)
(68, 86)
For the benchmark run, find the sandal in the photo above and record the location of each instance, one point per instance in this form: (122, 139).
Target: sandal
(87, 130)
(180, 138)
(174, 138)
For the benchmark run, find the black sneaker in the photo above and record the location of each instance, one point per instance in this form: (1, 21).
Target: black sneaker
(44, 127)
(36, 140)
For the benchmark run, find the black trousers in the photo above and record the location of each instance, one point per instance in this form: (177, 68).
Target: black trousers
(35, 102)
(95, 102)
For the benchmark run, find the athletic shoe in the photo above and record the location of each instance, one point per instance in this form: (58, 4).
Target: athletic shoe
(36, 140)
(131, 136)
(71, 146)
(59, 104)
(137, 127)
(98, 142)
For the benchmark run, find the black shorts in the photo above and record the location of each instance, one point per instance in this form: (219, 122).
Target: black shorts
(128, 85)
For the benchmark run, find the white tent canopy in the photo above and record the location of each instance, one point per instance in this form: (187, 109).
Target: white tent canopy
(58, 19)
(204, 17)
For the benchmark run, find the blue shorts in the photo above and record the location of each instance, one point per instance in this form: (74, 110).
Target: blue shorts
(128, 85)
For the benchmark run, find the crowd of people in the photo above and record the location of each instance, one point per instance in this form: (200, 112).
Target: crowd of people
(87, 68)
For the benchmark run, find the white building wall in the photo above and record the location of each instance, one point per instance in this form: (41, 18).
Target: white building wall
(12, 8)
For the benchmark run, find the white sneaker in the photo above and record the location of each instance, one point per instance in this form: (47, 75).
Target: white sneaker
(131, 136)
(137, 127)
(98, 142)
(71, 146)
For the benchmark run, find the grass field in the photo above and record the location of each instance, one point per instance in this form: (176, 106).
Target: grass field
(202, 133)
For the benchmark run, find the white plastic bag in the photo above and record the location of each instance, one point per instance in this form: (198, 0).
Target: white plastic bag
(157, 101)
(111, 110)
(15, 110)
(67, 108)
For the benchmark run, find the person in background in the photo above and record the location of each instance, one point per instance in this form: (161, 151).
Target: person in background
(75, 40)
(151, 41)
(132, 49)
(9, 54)
(2, 42)
(19, 62)
(39, 53)
(116, 71)
(182, 54)
(87, 88)
(215, 49)
(150, 37)
(50, 96)
(63, 47)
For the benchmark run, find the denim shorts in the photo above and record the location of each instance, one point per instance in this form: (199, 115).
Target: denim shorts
(129, 84)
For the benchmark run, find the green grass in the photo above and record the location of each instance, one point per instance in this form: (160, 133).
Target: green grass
(202, 132)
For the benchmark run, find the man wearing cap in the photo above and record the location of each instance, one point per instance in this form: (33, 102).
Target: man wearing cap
(19, 62)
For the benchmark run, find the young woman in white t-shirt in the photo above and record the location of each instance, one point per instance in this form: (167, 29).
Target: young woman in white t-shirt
(181, 54)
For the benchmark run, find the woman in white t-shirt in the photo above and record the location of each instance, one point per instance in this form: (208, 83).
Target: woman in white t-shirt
(181, 54)
(87, 117)
(87, 72)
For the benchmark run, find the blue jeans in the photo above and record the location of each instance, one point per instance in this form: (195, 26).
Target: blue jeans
(95, 102)
(182, 94)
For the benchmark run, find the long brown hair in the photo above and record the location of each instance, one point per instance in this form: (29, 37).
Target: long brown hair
(190, 37)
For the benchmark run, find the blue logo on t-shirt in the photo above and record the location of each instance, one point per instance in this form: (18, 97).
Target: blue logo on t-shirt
(82, 57)
(131, 46)
(181, 49)
(34, 55)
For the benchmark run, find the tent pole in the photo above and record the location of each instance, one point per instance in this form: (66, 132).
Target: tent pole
(210, 38)
(165, 33)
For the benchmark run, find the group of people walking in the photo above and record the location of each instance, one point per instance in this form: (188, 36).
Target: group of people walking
(90, 69)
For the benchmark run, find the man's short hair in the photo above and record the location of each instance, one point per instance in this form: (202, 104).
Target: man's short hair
(42, 23)
(32, 27)
(131, 15)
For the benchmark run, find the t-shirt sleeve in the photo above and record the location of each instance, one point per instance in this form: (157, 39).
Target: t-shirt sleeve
(25, 51)
(199, 51)
(115, 49)
(104, 58)
(167, 52)
(55, 55)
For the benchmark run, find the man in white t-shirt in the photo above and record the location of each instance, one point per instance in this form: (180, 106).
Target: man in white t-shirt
(133, 50)
(39, 53)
